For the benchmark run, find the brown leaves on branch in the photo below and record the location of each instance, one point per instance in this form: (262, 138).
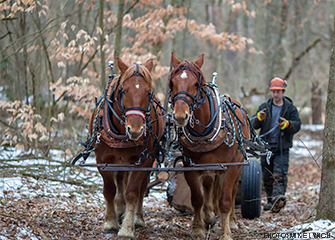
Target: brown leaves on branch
(25, 124)
(151, 29)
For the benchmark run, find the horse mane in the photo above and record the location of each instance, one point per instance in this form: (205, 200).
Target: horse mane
(141, 70)
(191, 66)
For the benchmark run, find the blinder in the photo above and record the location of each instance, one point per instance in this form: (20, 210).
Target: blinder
(197, 99)
(139, 111)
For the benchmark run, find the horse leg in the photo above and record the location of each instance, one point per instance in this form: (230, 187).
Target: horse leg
(198, 229)
(139, 219)
(233, 220)
(132, 197)
(109, 191)
(226, 202)
(120, 204)
(216, 194)
(208, 208)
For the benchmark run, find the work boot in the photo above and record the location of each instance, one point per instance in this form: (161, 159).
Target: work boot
(268, 205)
(278, 203)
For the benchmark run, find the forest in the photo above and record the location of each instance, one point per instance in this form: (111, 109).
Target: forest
(54, 55)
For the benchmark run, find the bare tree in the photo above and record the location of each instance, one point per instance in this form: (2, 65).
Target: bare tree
(118, 33)
(102, 41)
(326, 207)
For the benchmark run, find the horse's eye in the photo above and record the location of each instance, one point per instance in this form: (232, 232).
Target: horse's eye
(196, 84)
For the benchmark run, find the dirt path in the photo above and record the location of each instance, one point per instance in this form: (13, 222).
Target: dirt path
(67, 214)
(80, 216)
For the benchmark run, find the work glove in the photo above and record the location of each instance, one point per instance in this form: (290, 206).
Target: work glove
(283, 123)
(261, 115)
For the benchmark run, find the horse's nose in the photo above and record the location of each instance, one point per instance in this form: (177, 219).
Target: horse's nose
(128, 129)
(134, 134)
(181, 119)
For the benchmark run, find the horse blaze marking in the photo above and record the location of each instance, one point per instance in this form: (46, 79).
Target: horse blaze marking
(137, 86)
(183, 75)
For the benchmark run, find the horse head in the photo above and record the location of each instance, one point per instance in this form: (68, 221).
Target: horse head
(185, 83)
(136, 98)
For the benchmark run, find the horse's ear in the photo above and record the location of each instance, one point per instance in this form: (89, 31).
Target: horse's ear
(200, 60)
(149, 64)
(174, 60)
(121, 65)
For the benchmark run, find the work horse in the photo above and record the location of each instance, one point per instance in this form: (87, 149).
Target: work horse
(211, 130)
(125, 129)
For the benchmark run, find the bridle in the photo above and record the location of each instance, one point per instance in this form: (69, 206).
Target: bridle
(125, 112)
(198, 99)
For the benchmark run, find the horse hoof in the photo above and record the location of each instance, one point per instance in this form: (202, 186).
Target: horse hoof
(233, 226)
(198, 234)
(139, 222)
(111, 227)
(139, 226)
(110, 231)
(225, 237)
(126, 233)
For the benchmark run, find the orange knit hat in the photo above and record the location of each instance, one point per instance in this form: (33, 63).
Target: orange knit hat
(277, 83)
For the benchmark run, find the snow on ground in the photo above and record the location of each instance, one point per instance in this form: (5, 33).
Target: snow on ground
(326, 228)
(22, 187)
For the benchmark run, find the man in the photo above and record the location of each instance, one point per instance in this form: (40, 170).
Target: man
(278, 120)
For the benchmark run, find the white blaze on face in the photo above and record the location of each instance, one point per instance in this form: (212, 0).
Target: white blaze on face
(137, 86)
(183, 75)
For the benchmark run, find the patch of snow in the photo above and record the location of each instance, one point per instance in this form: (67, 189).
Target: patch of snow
(312, 127)
(302, 152)
(308, 144)
(29, 187)
(320, 229)
(21, 234)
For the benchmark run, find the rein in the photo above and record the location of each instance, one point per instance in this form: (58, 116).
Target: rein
(144, 112)
(235, 134)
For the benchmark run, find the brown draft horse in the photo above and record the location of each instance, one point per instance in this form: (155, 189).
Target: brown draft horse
(202, 142)
(127, 124)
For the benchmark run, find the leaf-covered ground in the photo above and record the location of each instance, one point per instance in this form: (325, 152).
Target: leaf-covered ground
(34, 211)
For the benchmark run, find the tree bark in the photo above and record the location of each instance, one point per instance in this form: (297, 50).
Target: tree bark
(277, 65)
(118, 33)
(102, 41)
(316, 103)
(326, 207)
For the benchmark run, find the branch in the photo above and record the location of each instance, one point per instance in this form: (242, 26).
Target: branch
(8, 33)
(70, 181)
(298, 58)
(89, 60)
(7, 125)
(126, 12)
(62, 95)
(131, 7)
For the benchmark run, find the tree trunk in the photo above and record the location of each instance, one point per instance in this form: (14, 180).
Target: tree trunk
(316, 103)
(183, 48)
(326, 207)
(102, 41)
(118, 33)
